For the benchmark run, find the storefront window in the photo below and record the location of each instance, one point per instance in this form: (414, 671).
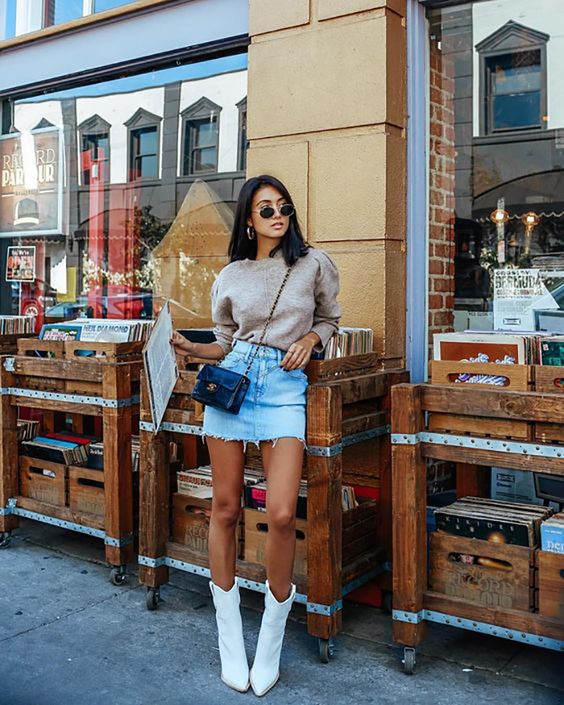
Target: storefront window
(7, 19)
(18, 17)
(98, 216)
(496, 182)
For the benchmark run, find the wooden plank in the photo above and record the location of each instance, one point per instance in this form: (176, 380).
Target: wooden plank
(356, 568)
(324, 551)
(154, 498)
(244, 569)
(343, 367)
(8, 450)
(185, 382)
(549, 433)
(549, 378)
(472, 480)
(103, 352)
(118, 481)
(364, 422)
(33, 346)
(526, 622)
(456, 454)
(57, 406)
(64, 513)
(501, 575)
(516, 377)
(55, 369)
(480, 426)
(361, 388)
(409, 492)
(461, 399)
(551, 585)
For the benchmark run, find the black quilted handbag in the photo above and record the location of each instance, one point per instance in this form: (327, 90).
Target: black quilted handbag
(224, 389)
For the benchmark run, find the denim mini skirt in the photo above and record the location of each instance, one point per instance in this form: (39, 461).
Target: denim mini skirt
(274, 406)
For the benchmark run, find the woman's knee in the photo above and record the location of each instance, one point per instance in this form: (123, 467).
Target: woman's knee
(226, 512)
(281, 521)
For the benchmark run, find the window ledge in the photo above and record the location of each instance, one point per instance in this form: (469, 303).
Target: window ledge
(136, 7)
(516, 136)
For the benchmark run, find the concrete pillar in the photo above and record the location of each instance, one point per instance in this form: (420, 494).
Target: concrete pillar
(327, 115)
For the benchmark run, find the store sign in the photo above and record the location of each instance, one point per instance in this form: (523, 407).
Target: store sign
(518, 293)
(31, 183)
(20, 264)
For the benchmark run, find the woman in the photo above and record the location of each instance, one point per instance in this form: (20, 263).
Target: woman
(266, 249)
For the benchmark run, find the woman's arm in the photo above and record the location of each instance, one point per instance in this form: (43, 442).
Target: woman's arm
(299, 353)
(207, 351)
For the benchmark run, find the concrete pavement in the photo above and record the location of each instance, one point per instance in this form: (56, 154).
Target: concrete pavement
(69, 637)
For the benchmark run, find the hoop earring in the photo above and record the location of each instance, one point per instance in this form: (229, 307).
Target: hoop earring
(251, 232)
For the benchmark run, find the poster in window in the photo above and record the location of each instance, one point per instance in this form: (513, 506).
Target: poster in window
(31, 183)
(518, 293)
(20, 264)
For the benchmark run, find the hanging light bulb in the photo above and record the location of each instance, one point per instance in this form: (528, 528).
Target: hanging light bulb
(530, 220)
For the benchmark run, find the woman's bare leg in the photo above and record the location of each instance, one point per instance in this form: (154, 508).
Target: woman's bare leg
(283, 465)
(227, 462)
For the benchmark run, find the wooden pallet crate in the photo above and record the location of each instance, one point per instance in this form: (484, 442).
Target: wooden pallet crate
(43, 480)
(502, 575)
(343, 367)
(191, 523)
(348, 411)
(517, 378)
(256, 531)
(9, 343)
(549, 379)
(103, 395)
(412, 447)
(86, 491)
(551, 584)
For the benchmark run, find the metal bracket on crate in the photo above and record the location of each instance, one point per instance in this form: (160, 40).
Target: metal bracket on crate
(118, 543)
(312, 607)
(481, 627)
(45, 519)
(9, 508)
(169, 426)
(337, 448)
(71, 398)
(477, 443)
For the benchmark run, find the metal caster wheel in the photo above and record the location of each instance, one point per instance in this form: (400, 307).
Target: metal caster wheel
(5, 538)
(408, 660)
(153, 597)
(326, 650)
(118, 575)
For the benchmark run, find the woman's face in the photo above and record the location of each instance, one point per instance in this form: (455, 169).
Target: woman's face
(275, 227)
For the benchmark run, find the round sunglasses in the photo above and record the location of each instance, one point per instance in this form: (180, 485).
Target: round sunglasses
(286, 209)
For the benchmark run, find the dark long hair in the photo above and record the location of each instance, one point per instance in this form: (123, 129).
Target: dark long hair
(292, 244)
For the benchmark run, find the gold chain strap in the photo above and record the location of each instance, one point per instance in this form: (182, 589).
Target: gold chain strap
(259, 344)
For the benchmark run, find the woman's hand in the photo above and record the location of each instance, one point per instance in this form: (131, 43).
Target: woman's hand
(181, 345)
(299, 353)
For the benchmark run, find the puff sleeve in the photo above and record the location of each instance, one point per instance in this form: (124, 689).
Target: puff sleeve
(327, 311)
(222, 317)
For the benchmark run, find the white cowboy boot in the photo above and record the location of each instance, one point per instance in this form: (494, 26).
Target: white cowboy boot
(234, 666)
(265, 671)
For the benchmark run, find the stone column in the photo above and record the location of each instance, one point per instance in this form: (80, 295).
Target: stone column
(327, 115)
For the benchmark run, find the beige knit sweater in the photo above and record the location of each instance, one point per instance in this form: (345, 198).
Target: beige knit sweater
(244, 292)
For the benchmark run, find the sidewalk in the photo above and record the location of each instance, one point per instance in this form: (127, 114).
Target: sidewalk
(69, 637)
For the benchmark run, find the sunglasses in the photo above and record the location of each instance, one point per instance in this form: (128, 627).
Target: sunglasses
(286, 209)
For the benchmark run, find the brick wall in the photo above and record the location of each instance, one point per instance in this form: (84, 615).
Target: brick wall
(441, 193)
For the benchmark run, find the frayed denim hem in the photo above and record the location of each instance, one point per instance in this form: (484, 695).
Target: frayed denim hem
(245, 442)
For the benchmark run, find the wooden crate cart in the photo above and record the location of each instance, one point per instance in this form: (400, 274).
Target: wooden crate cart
(348, 416)
(104, 384)
(414, 603)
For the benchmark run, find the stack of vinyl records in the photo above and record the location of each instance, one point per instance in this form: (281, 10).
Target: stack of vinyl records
(552, 534)
(552, 350)
(57, 448)
(493, 520)
(349, 341)
(95, 459)
(27, 429)
(98, 330)
(16, 325)
(255, 498)
(197, 482)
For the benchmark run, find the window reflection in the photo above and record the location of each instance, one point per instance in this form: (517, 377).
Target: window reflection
(496, 146)
(105, 182)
